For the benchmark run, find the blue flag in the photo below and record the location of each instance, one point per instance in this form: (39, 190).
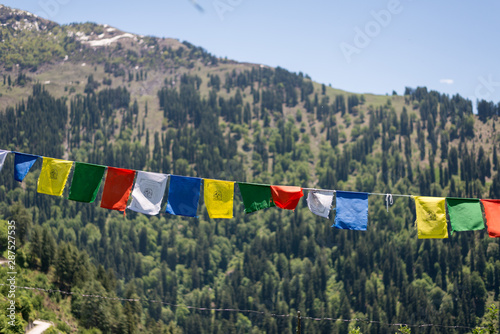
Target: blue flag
(183, 195)
(22, 165)
(352, 211)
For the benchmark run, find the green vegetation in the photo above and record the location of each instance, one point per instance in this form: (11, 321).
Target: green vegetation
(213, 119)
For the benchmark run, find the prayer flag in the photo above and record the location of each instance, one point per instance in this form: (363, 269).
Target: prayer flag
(352, 211)
(148, 192)
(492, 214)
(86, 181)
(3, 155)
(53, 176)
(256, 196)
(431, 217)
(320, 202)
(286, 197)
(219, 197)
(22, 164)
(465, 214)
(117, 188)
(183, 195)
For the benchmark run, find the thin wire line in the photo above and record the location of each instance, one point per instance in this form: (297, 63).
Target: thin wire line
(377, 194)
(398, 195)
(315, 189)
(236, 310)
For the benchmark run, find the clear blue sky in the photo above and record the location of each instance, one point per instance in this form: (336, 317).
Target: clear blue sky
(449, 46)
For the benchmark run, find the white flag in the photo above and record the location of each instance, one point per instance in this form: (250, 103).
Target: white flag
(320, 202)
(3, 155)
(148, 192)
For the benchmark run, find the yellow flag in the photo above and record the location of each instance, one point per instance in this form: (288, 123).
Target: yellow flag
(431, 217)
(219, 196)
(53, 176)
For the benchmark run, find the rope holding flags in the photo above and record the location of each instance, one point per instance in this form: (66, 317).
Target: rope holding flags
(388, 201)
(146, 190)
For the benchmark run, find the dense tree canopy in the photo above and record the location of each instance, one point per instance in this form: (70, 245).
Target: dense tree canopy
(260, 125)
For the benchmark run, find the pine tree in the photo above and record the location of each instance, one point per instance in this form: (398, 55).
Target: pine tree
(143, 241)
(48, 250)
(495, 158)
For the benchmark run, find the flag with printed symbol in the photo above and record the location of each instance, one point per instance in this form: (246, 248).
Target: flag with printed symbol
(219, 197)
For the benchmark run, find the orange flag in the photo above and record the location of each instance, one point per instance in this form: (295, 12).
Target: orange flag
(117, 188)
(492, 213)
(286, 197)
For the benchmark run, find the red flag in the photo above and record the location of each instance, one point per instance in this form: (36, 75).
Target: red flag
(286, 197)
(492, 213)
(117, 188)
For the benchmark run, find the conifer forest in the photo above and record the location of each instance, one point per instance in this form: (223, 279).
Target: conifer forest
(165, 106)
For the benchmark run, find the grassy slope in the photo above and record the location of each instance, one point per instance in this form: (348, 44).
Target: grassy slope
(62, 76)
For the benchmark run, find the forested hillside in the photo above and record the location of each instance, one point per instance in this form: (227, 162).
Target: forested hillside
(160, 105)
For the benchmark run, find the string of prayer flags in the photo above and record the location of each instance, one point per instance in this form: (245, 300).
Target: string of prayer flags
(255, 196)
(465, 214)
(320, 202)
(148, 192)
(22, 165)
(117, 188)
(351, 211)
(53, 176)
(219, 197)
(183, 195)
(86, 181)
(3, 155)
(492, 214)
(431, 217)
(286, 197)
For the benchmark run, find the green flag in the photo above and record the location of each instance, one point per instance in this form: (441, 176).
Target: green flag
(465, 214)
(255, 196)
(86, 182)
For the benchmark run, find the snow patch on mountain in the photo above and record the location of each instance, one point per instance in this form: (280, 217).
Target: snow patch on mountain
(108, 41)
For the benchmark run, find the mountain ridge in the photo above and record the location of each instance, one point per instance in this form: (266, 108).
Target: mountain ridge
(171, 107)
